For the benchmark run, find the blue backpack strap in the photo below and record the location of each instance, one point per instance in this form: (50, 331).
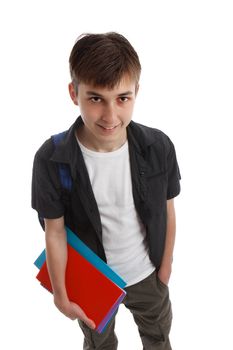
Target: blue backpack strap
(59, 137)
(64, 169)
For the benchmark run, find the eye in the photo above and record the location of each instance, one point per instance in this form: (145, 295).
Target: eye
(124, 98)
(95, 99)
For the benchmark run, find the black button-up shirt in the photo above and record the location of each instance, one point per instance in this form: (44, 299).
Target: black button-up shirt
(155, 179)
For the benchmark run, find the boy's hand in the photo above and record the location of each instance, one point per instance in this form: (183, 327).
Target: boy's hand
(73, 311)
(164, 274)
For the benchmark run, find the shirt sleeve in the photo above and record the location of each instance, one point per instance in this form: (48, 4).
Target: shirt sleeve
(174, 176)
(46, 191)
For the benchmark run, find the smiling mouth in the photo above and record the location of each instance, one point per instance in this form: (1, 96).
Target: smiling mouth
(108, 127)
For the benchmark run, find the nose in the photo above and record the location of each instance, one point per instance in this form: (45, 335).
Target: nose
(109, 114)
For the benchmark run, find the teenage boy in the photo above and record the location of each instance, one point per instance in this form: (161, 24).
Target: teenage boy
(124, 178)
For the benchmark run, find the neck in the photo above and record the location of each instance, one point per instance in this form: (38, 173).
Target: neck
(92, 143)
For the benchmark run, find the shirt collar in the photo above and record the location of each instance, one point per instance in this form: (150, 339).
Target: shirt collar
(68, 149)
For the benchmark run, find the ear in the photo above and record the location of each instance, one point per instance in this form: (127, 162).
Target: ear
(73, 93)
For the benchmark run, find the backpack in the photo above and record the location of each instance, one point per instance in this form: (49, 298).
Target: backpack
(63, 169)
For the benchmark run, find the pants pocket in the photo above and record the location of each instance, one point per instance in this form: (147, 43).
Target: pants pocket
(163, 285)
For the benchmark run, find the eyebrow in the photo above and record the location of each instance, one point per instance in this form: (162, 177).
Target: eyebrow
(94, 93)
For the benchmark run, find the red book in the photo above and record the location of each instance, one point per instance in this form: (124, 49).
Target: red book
(96, 294)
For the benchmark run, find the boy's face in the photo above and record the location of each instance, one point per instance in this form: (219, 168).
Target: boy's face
(105, 113)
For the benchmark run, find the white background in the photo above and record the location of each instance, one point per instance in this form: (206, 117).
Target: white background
(186, 90)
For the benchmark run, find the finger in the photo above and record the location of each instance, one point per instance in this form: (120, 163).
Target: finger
(90, 324)
(82, 316)
(88, 321)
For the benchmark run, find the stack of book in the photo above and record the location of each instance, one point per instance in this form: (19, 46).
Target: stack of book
(90, 282)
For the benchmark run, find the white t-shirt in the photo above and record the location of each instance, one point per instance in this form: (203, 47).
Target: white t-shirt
(123, 236)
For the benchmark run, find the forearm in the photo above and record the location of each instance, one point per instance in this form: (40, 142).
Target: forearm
(169, 241)
(166, 263)
(56, 258)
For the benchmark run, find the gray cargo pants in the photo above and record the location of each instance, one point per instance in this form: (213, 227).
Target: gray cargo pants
(150, 305)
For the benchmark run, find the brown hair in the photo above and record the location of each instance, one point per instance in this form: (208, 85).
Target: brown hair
(103, 60)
